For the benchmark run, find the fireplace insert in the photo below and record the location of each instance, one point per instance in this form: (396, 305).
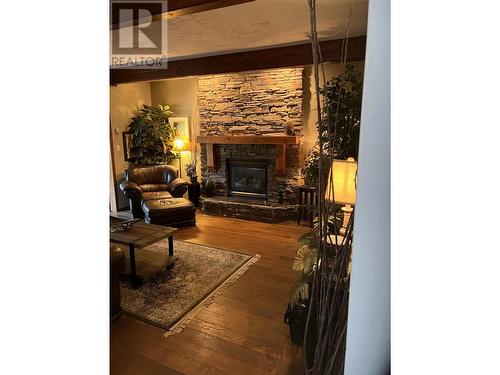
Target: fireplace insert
(247, 178)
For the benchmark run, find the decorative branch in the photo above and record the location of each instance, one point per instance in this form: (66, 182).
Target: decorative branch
(325, 335)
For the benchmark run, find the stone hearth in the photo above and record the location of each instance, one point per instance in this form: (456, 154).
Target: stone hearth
(241, 208)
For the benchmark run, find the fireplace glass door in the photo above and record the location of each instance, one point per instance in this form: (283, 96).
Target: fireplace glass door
(247, 178)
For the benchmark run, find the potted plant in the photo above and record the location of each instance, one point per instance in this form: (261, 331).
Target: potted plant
(305, 264)
(152, 136)
(339, 136)
(194, 188)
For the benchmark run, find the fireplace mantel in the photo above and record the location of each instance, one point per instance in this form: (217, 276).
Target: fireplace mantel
(279, 140)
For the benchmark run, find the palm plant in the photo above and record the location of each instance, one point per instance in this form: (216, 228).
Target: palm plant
(304, 262)
(306, 256)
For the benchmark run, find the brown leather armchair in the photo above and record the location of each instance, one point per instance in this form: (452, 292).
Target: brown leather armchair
(143, 183)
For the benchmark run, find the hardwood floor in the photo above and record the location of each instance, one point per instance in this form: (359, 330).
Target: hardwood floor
(243, 331)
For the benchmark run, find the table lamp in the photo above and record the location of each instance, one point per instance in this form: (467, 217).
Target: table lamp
(179, 146)
(344, 187)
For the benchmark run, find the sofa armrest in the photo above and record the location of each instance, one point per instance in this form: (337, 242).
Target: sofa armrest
(178, 187)
(117, 267)
(131, 189)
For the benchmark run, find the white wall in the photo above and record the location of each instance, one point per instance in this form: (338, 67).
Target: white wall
(368, 331)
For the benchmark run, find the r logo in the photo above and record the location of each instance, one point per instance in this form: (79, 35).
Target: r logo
(135, 31)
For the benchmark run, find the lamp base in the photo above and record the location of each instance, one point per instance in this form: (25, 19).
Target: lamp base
(347, 210)
(180, 164)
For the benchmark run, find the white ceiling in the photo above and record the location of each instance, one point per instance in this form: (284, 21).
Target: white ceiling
(261, 23)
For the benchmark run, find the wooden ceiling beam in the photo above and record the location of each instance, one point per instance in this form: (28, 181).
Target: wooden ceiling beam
(178, 8)
(278, 57)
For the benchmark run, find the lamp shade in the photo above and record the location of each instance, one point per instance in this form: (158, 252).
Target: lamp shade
(179, 145)
(344, 181)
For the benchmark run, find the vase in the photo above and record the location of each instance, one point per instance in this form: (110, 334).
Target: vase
(209, 188)
(194, 192)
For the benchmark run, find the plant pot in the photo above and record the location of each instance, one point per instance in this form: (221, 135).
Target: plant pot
(296, 318)
(194, 191)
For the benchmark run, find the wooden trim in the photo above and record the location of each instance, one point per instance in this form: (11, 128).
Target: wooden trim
(113, 168)
(281, 160)
(211, 156)
(278, 57)
(280, 142)
(249, 139)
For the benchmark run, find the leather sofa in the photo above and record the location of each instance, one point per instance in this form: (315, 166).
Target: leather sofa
(144, 183)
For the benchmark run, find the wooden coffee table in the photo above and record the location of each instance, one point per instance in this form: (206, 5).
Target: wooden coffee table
(140, 236)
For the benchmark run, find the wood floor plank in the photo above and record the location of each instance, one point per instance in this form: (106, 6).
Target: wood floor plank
(126, 362)
(242, 332)
(266, 346)
(224, 347)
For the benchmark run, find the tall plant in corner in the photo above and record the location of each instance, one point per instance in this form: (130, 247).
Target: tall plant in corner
(152, 136)
(342, 99)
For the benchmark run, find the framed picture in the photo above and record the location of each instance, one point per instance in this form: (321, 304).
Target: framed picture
(127, 143)
(181, 125)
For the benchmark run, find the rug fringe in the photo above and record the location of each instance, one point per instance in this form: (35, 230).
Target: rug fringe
(182, 323)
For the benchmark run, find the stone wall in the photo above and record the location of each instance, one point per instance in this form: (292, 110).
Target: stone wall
(252, 103)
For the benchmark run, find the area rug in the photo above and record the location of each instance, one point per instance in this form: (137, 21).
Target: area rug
(171, 299)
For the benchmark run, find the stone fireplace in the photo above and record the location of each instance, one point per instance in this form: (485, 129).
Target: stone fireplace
(258, 105)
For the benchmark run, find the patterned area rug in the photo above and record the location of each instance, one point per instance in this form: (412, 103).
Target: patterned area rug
(170, 300)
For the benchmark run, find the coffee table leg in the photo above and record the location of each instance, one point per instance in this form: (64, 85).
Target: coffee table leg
(133, 275)
(171, 245)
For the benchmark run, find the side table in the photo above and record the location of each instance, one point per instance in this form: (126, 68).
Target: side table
(308, 201)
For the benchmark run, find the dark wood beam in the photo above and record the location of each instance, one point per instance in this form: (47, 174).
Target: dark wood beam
(177, 8)
(278, 57)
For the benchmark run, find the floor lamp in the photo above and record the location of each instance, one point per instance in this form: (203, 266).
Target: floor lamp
(179, 146)
(344, 187)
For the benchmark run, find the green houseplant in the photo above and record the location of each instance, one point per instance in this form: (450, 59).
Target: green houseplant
(305, 257)
(339, 135)
(342, 100)
(304, 263)
(311, 168)
(342, 113)
(194, 188)
(191, 170)
(152, 136)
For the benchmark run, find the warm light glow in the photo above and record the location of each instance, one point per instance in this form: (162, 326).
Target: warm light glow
(344, 181)
(179, 145)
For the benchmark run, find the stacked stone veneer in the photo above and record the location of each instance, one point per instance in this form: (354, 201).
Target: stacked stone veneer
(252, 103)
